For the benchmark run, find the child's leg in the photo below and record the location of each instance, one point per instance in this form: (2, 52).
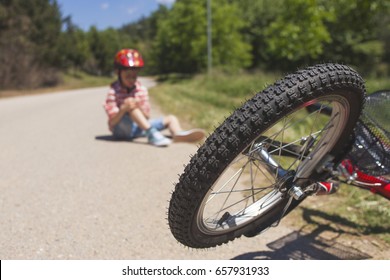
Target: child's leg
(154, 136)
(123, 130)
(138, 117)
(131, 125)
(172, 123)
(180, 135)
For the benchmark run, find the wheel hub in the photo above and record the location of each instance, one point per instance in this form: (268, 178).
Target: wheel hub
(286, 182)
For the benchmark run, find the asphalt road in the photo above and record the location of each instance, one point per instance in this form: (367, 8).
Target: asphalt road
(67, 191)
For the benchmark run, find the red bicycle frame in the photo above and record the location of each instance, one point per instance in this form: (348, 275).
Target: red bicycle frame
(351, 175)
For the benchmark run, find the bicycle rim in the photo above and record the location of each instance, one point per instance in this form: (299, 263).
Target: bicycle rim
(253, 184)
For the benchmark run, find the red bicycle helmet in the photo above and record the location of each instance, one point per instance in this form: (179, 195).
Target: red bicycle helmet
(128, 58)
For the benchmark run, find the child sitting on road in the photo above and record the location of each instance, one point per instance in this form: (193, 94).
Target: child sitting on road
(128, 108)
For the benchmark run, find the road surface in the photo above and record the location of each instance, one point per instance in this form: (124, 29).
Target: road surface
(68, 191)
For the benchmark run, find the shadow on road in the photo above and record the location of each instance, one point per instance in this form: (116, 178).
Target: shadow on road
(301, 246)
(110, 138)
(106, 138)
(312, 244)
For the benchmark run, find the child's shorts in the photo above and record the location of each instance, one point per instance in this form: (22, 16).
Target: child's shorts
(127, 129)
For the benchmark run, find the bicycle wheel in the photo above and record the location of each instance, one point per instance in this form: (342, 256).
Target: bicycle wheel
(244, 177)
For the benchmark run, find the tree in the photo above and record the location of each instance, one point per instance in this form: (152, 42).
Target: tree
(29, 33)
(45, 28)
(181, 40)
(74, 46)
(143, 33)
(285, 34)
(103, 46)
(259, 15)
(299, 31)
(356, 30)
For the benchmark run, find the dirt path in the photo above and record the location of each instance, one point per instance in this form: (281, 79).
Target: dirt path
(69, 192)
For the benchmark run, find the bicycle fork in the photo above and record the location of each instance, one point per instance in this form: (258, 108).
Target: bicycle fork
(285, 178)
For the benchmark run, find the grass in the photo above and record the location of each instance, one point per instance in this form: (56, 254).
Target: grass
(70, 80)
(369, 212)
(374, 84)
(75, 80)
(351, 210)
(205, 101)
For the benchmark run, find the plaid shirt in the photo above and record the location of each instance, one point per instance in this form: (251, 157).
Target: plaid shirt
(117, 94)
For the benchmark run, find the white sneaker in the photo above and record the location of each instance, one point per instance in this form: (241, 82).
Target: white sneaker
(192, 135)
(156, 138)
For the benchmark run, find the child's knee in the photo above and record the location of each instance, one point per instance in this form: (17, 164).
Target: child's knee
(171, 119)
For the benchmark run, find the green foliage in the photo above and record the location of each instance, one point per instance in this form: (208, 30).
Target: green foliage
(205, 100)
(357, 24)
(28, 32)
(142, 34)
(298, 31)
(74, 46)
(103, 46)
(181, 41)
(286, 34)
(228, 45)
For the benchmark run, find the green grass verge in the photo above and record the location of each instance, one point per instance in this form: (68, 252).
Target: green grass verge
(70, 80)
(204, 101)
(73, 80)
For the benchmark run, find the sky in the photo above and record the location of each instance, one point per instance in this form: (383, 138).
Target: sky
(108, 13)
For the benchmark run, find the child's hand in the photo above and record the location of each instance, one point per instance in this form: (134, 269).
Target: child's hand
(130, 104)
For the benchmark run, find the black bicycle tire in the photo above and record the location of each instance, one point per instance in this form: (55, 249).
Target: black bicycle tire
(238, 130)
